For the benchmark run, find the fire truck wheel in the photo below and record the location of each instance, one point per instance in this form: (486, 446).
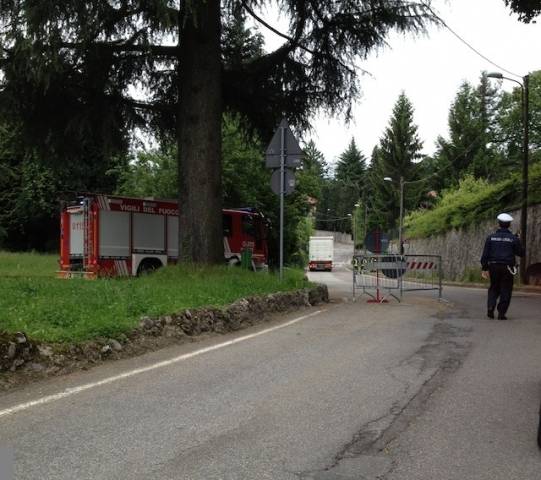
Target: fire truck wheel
(148, 266)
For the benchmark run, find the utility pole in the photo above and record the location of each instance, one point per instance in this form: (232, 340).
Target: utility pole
(401, 222)
(365, 223)
(355, 207)
(525, 162)
(525, 88)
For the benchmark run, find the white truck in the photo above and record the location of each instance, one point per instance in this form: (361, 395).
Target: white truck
(320, 253)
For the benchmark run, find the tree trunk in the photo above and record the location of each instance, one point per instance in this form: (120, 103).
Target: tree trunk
(199, 135)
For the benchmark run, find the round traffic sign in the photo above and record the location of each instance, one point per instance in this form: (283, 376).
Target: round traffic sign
(376, 242)
(289, 182)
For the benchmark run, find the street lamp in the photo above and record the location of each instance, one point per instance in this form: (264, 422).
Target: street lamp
(327, 222)
(525, 152)
(356, 206)
(401, 220)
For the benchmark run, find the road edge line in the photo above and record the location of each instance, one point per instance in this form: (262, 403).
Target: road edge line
(164, 363)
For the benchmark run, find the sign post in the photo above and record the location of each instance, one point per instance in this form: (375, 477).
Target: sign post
(282, 193)
(283, 152)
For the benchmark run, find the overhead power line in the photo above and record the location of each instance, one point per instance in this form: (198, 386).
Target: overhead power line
(469, 45)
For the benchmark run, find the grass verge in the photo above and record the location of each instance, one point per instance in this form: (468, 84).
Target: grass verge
(54, 310)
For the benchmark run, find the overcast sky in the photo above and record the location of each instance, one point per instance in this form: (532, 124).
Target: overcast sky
(429, 69)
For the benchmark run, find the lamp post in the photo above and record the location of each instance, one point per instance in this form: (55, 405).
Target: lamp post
(401, 218)
(525, 152)
(356, 206)
(351, 217)
(327, 223)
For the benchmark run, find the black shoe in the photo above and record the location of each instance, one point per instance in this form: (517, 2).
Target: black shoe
(490, 314)
(501, 316)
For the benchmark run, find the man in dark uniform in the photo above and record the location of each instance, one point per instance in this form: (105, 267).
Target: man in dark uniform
(498, 262)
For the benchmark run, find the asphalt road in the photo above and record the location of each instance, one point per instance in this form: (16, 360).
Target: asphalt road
(477, 417)
(420, 389)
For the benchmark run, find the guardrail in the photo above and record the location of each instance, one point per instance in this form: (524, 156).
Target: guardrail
(390, 275)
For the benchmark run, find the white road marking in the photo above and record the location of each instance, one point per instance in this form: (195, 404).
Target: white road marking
(74, 390)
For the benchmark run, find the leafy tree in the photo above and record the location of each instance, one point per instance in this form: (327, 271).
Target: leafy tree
(76, 63)
(509, 125)
(471, 148)
(28, 200)
(31, 189)
(246, 180)
(466, 136)
(150, 174)
(527, 10)
(327, 209)
(246, 183)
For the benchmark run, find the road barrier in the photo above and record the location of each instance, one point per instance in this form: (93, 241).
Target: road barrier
(386, 275)
(423, 272)
(377, 276)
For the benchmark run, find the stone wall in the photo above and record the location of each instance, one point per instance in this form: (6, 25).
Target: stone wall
(461, 249)
(23, 359)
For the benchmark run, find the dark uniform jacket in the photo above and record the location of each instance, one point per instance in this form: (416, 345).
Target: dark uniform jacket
(501, 247)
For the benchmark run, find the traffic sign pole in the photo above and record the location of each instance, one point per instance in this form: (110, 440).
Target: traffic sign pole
(283, 155)
(282, 193)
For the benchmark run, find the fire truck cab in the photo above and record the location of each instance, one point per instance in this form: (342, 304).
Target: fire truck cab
(103, 235)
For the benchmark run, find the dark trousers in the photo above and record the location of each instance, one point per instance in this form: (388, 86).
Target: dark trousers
(501, 285)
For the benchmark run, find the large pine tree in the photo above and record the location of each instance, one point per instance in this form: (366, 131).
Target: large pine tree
(470, 148)
(351, 165)
(396, 157)
(70, 68)
(349, 181)
(508, 135)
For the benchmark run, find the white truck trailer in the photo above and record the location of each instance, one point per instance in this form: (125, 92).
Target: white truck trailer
(321, 251)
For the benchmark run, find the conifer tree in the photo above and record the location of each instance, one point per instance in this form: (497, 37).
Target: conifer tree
(69, 69)
(396, 157)
(470, 146)
(350, 177)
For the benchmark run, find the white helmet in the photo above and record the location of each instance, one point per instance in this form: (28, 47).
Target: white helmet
(505, 217)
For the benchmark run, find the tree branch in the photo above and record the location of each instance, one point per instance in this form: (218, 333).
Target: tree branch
(162, 50)
(292, 42)
(151, 107)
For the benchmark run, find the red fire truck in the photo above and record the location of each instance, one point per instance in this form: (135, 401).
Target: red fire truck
(104, 235)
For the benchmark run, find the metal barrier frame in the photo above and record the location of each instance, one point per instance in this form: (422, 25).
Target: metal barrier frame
(376, 264)
(401, 265)
(425, 259)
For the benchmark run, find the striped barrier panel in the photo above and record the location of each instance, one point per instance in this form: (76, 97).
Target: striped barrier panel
(421, 265)
(423, 272)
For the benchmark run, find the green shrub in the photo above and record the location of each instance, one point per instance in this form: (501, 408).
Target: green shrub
(305, 228)
(473, 201)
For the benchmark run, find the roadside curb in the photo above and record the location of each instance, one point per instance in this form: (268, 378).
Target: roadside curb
(23, 360)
